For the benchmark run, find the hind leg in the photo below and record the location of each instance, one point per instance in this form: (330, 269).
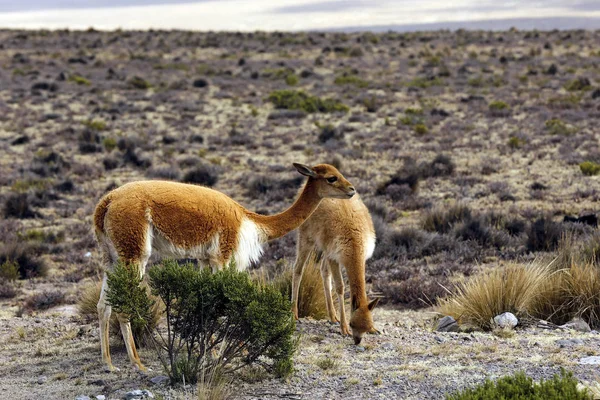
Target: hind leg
(104, 311)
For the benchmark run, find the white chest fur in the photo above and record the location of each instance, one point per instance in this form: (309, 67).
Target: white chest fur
(249, 245)
(369, 245)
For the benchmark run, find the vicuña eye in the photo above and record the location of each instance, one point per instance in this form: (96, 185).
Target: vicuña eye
(331, 179)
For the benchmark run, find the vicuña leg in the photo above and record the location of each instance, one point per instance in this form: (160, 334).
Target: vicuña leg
(104, 311)
(301, 258)
(338, 279)
(326, 276)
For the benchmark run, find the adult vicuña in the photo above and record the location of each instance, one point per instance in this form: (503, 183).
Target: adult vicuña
(187, 221)
(341, 233)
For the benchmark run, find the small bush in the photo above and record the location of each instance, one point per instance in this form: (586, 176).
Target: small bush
(18, 205)
(205, 175)
(441, 165)
(515, 142)
(139, 83)
(556, 126)
(109, 144)
(26, 256)
(328, 132)
(544, 234)
(442, 219)
(589, 168)
(80, 80)
(498, 105)
(95, 125)
(421, 129)
(292, 79)
(7, 290)
(349, 79)
(522, 387)
(9, 270)
(299, 100)
(44, 301)
(578, 84)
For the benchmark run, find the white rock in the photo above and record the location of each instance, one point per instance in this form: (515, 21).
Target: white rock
(88, 254)
(592, 360)
(506, 320)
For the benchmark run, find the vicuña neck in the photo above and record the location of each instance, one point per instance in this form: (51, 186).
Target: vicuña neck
(279, 224)
(356, 278)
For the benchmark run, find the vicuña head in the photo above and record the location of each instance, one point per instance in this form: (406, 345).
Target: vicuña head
(361, 321)
(187, 221)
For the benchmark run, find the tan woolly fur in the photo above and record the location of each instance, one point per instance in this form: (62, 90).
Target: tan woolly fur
(187, 221)
(341, 233)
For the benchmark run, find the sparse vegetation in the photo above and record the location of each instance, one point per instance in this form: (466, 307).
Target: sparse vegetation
(589, 168)
(522, 387)
(299, 100)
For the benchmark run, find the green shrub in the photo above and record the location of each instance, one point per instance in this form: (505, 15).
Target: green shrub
(589, 168)
(498, 105)
(557, 127)
(425, 83)
(139, 83)
(95, 125)
(578, 84)
(515, 142)
(109, 143)
(26, 256)
(299, 100)
(421, 129)
(348, 79)
(292, 79)
(217, 322)
(80, 80)
(522, 387)
(9, 270)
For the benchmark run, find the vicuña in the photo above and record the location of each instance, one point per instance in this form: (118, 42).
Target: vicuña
(340, 233)
(186, 221)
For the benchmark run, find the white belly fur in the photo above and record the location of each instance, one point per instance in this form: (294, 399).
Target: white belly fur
(369, 246)
(249, 245)
(203, 252)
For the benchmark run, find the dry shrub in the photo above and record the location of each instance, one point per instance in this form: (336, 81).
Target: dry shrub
(43, 301)
(87, 307)
(583, 288)
(515, 288)
(213, 386)
(311, 299)
(443, 218)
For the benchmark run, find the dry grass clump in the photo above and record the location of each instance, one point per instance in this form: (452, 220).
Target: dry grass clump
(556, 291)
(442, 219)
(87, 307)
(515, 288)
(311, 299)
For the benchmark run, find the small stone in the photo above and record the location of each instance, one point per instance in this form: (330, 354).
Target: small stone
(387, 346)
(360, 349)
(82, 397)
(592, 360)
(439, 339)
(562, 343)
(447, 324)
(506, 320)
(138, 395)
(42, 379)
(578, 325)
(101, 397)
(160, 380)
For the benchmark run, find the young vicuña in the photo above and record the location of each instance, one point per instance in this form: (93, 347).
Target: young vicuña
(341, 233)
(186, 221)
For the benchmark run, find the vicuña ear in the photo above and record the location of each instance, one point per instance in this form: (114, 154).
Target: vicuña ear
(373, 303)
(305, 170)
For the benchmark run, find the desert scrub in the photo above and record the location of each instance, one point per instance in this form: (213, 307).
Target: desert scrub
(80, 80)
(424, 83)
(95, 125)
(521, 387)
(292, 79)
(139, 83)
(109, 143)
(420, 129)
(556, 126)
(26, 256)
(498, 105)
(578, 84)
(515, 142)
(589, 168)
(300, 100)
(350, 79)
